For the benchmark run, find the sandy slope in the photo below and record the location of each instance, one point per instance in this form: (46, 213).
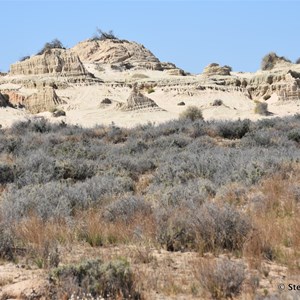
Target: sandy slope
(83, 102)
(9, 115)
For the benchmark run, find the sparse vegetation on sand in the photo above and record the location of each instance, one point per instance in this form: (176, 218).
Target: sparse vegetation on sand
(54, 44)
(192, 113)
(103, 35)
(269, 61)
(217, 200)
(261, 108)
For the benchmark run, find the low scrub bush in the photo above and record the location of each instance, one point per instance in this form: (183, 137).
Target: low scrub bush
(54, 44)
(126, 209)
(116, 135)
(261, 108)
(150, 90)
(59, 200)
(106, 101)
(6, 173)
(259, 138)
(102, 35)
(174, 229)
(192, 192)
(266, 97)
(221, 227)
(58, 113)
(233, 129)
(269, 61)
(192, 113)
(23, 58)
(217, 102)
(75, 169)
(111, 280)
(223, 278)
(7, 247)
(294, 135)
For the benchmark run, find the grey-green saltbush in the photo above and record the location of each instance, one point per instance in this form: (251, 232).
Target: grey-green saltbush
(111, 280)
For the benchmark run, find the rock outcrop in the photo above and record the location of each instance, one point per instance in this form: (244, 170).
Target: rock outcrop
(285, 83)
(14, 97)
(44, 100)
(138, 101)
(53, 62)
(176, 72)
(216, 69)
(291, 90)
(120, 53)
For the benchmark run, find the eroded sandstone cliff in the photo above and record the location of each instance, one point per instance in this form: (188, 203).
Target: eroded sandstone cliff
(44, 100)
(53, 62)
(120, 53)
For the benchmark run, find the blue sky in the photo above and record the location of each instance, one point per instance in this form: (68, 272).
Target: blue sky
(190, 34)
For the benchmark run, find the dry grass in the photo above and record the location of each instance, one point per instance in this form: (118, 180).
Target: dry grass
(93, 229)
(34, 231)
(42, 239)
(277, 233)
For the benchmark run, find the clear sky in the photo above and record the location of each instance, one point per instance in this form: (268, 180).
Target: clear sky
(190, 34)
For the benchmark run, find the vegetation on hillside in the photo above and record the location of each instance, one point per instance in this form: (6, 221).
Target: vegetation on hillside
(103, 35)
(269, 61)
(54, 44)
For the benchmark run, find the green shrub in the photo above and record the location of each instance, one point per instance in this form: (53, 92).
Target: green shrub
(269, 61)
(23, 58)
(58, 113)
(217, 102)
(233, 129)
(174, 229)
(102, 35)
(6, 174)
(294, 135)
(261, 108)
(125, 209)
(266, 97)
(55, 44)
(6, 245)
(106, 101)
(192, 113)
(110, 280)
